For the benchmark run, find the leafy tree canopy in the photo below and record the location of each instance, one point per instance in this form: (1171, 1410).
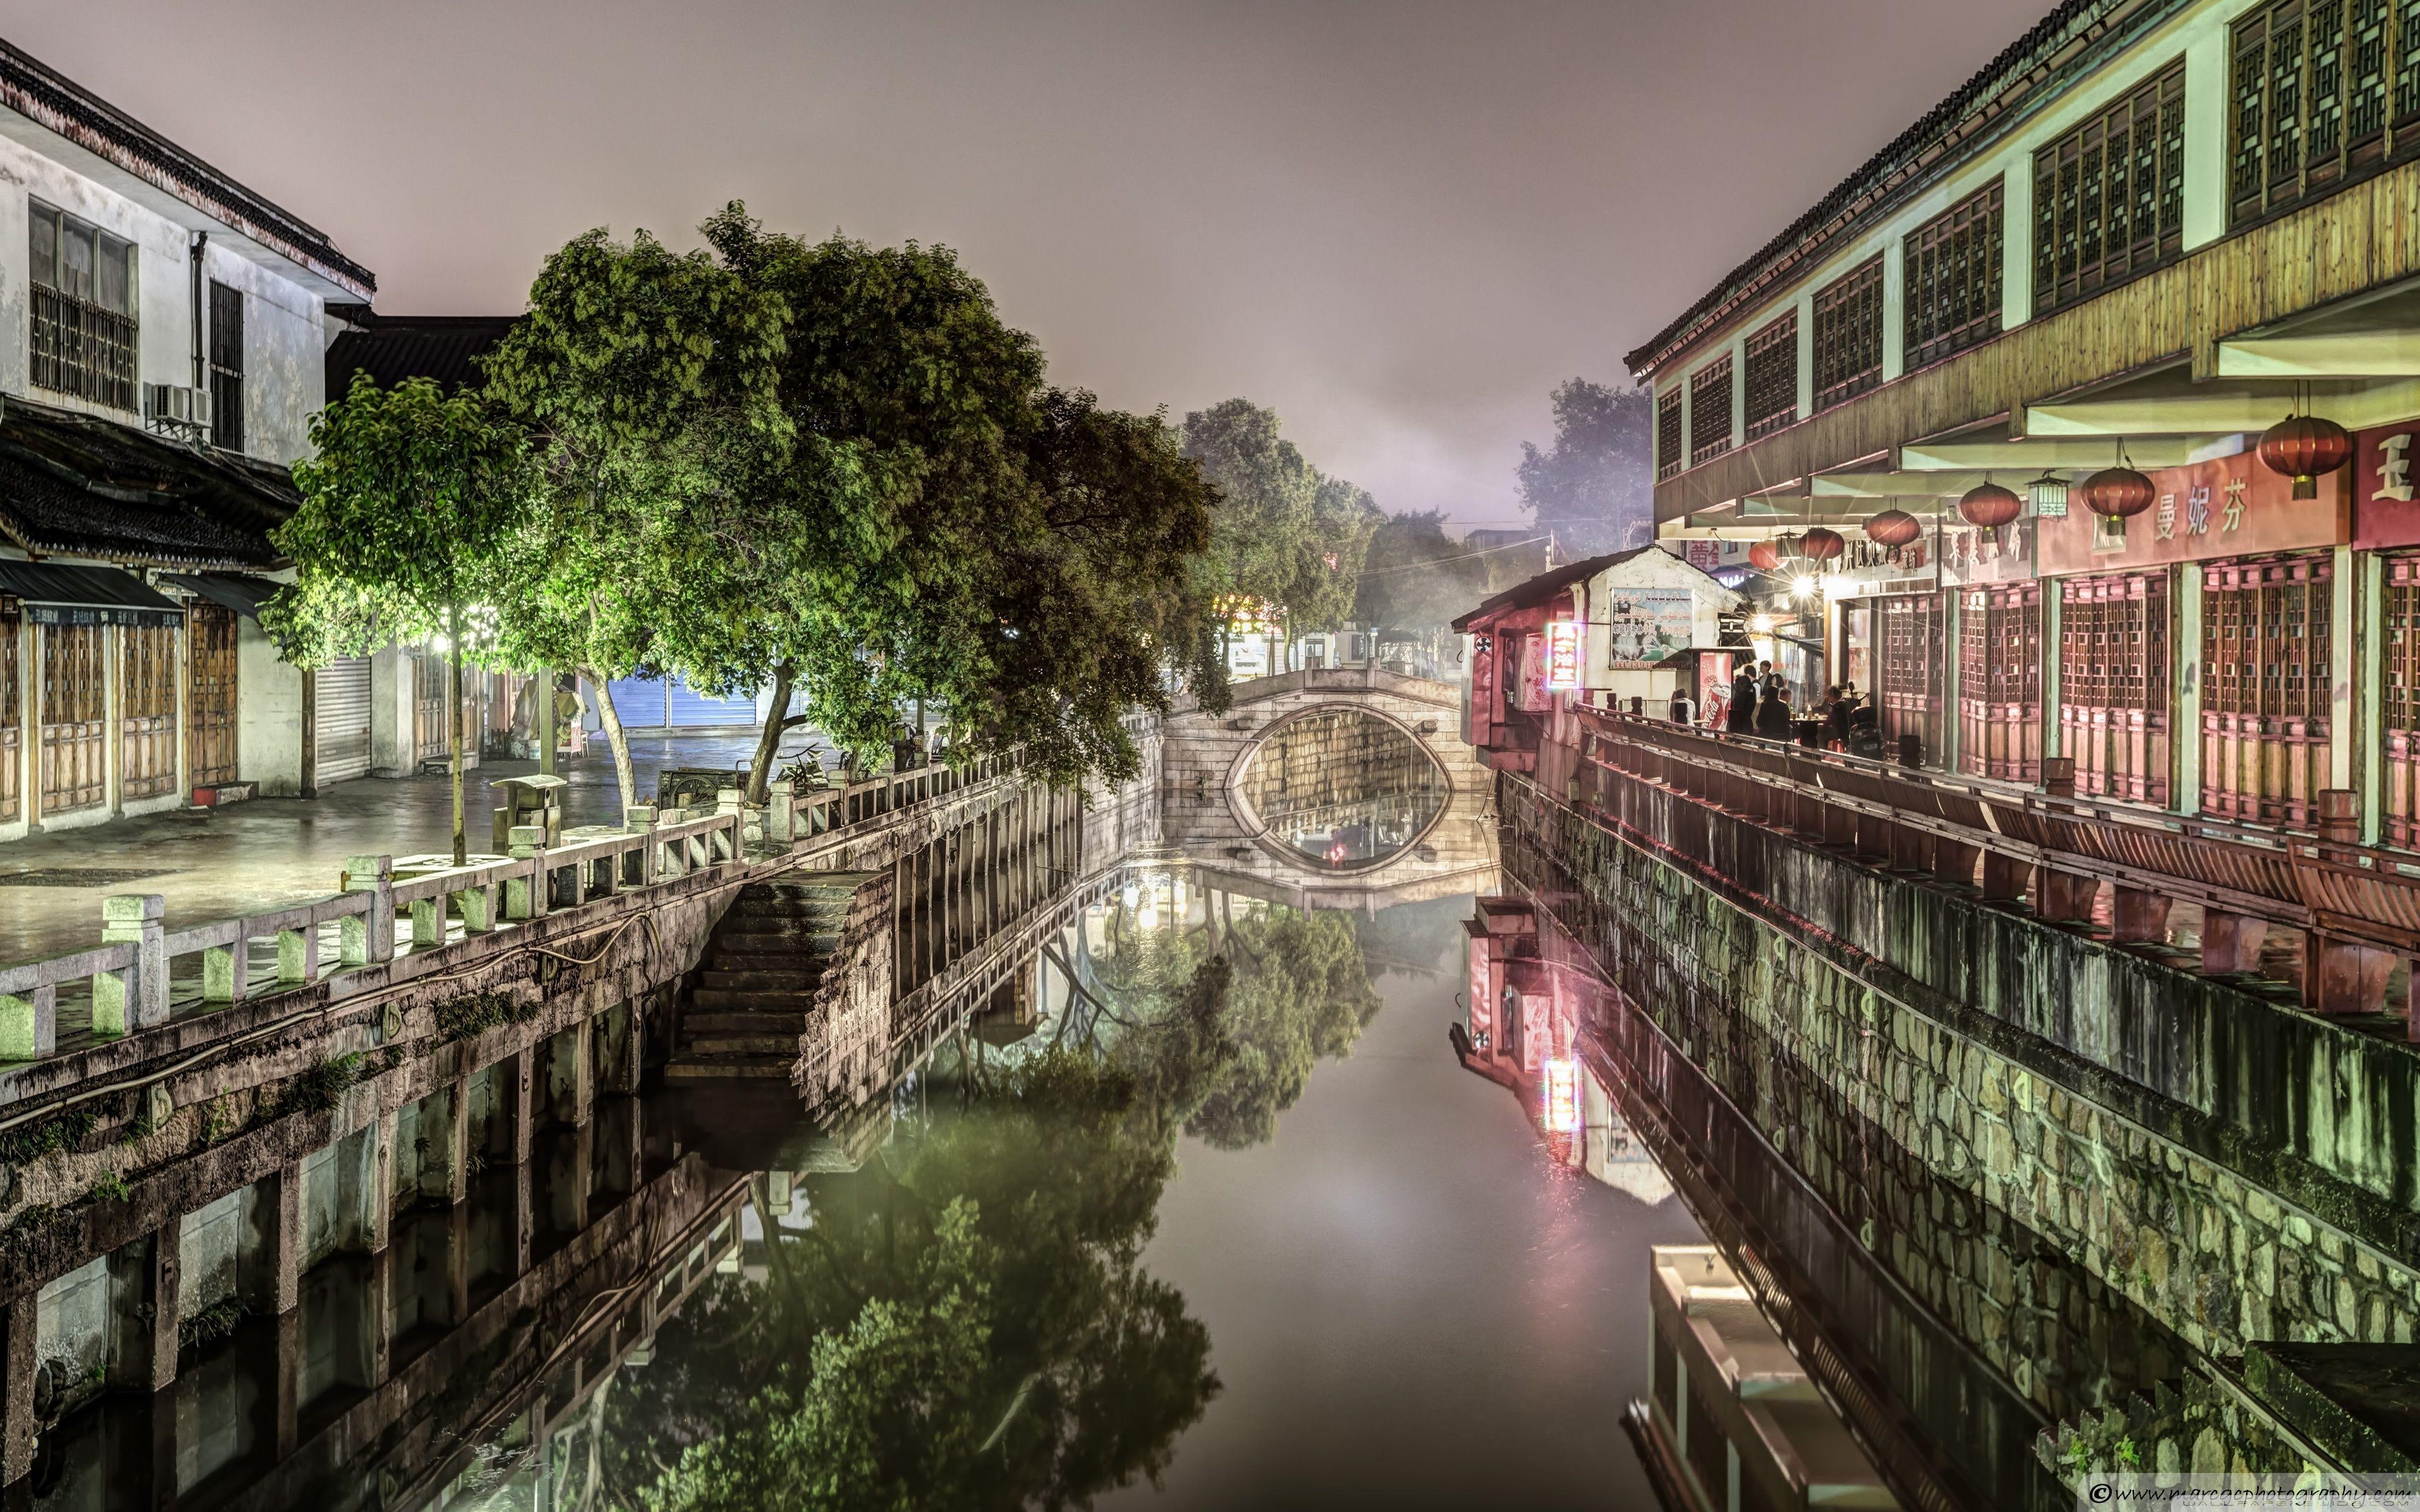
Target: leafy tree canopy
(1594, 488)
(1416, 577)
(1285, 533)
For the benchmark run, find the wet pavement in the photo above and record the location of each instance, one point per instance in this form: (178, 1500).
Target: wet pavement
(215, 863)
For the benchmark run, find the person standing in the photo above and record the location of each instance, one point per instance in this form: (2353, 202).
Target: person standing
(1772, 710)
(1741, 719)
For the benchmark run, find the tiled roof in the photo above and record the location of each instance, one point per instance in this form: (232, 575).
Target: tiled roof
(1545, 585)
(44, 95)
(2072, 38)
(390, 348)
(74, 484)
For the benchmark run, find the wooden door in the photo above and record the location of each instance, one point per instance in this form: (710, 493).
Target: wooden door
(74, 715)
(2401, 682)
(1999, 682)
(427, 704)
(1909, 672)
(2266, 639)
(13, 722)
(2113, 683)
(211, 696)
(147, 711)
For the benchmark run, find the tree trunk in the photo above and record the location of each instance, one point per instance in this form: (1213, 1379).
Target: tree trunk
(768, 740)
(616, 736)
(454, 725)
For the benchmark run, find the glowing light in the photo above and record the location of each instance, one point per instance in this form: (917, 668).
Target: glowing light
(1148, 915)
(1130, 895)
(1563, 654)
(1802, 589)
(1760, 625)
(1562, 1111)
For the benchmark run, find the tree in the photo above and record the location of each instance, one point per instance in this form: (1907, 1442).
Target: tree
(1416, 577)
(1595, 488)
(648, 380)
(1285, 534)
(408, 501)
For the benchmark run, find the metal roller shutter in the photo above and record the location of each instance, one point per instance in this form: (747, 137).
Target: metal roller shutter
(342, 710)
(686, 705)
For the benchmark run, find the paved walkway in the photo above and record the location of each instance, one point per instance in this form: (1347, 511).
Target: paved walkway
(250, 857)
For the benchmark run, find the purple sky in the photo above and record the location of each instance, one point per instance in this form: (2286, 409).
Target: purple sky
(1399, 224)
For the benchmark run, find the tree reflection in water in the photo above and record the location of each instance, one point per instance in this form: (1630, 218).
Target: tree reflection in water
(964, 1321)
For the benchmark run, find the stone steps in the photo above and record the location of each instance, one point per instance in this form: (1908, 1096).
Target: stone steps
(716, 1067)
(747, 1006)
(748, 999)
(696, 1022)
(802, 981)
(712, 1047)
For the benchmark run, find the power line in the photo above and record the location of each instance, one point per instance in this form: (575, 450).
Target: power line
(1435, 562)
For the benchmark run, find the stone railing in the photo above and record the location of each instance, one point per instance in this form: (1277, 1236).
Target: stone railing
(406, 913)
(2357, 907)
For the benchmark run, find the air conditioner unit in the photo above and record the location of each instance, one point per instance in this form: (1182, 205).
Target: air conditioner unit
(172, 408)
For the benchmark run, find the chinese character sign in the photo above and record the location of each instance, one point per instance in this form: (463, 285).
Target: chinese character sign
(1643, 625)
(1563, 654)
(2384, 512)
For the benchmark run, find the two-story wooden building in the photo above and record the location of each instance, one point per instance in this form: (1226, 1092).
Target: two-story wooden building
(2049, 364)
(162, 332)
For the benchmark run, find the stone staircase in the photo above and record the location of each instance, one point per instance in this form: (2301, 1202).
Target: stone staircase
(747, 1004)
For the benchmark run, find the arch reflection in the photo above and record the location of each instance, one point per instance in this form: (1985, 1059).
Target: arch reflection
(1342, 789)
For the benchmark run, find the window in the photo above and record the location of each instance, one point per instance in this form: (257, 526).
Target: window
(1710, 411)
(1953, 279)
(2109, 198)
(1848, 335)
(2320, 92)
(226, 366)
(1667, 434)
(80, 331)
(1773, 376)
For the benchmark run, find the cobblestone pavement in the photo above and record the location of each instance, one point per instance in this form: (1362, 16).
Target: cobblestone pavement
(248, 856)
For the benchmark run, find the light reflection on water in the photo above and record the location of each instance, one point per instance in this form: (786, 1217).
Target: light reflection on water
(1342, 789)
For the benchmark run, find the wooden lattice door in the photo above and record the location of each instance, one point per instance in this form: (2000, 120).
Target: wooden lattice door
(147, 716)
(2266, 641)
(1908, 672)
(13, 721)
(2113, 683)
(2401, 682)
(428, 731)
(74, 715)
(1999, 682)
(210, 698)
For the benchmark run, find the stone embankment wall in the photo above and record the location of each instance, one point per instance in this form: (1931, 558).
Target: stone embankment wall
(2233, 1169)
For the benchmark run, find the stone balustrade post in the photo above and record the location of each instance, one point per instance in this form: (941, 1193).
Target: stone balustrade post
(525, 896)
(135, 997)
(642, 819)
(224, 968)
(780, 816)
(21, 1361)
(29, 1023)
(369, 937)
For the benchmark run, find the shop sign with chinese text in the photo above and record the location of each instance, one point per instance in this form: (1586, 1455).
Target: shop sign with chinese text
(2004, 555)
(2230, 507)
(2384, 509)
(1562, 655)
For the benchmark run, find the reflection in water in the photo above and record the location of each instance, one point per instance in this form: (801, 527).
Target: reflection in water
(1343, 788)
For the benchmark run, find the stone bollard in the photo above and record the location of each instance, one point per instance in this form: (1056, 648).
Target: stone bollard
(368, 937)
(137, 997)
(780, 818)
(2059, 775)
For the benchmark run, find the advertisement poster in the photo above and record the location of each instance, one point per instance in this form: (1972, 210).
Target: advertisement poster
(1644, 625)
(1713, 685)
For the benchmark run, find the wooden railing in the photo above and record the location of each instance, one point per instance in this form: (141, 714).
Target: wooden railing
(2357, 906)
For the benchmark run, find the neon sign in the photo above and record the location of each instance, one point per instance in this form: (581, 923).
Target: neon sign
(1563, 654)
(1562, 1111)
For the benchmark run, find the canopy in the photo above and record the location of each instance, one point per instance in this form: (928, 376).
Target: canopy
(85, 596)
(239, 591)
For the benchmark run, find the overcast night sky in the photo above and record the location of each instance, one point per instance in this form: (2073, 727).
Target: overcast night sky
(1398, 224)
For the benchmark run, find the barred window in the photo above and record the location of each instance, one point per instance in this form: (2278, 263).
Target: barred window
(1668, 458)
(2320, 91)
(1773, 376)
(1953, 278)
(79, 333)
(2109, 197)
(1848, 334)
(1710, 411)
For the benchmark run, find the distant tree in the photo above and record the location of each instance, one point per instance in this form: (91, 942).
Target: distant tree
(1285, 534)
(1417, 577)
(1594, 489)
(409, 498)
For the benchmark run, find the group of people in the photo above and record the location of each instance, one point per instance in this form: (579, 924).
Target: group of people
(1760, 705)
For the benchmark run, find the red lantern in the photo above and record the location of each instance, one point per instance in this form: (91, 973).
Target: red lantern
(1821, 545)
(1764, 557)
(2302, 448)
(1988, 506)
(2119, 493)
(1893, 528)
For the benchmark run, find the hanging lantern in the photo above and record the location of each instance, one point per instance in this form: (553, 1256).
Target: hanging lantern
(1821, 545)
(1763, 556)
(2119, 493)
(2302, 448)
(1988, 506)
(1893, 528)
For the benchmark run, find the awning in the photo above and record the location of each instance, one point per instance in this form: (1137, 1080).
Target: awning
(85, 596)
(238, 590)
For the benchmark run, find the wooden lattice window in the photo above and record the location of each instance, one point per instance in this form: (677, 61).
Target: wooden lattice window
(1772, 376)
(2266, 659)
(1669, 456)
(1953, 278)
(1908, 670)
(2320, 91)
(74, 715)
(211, 696)
(2109, 196)
(12, 719)
(1710, 411)
(2113, 680)
(1848, 334)
(1999, 682)
(147, 713)
(2401, 681)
